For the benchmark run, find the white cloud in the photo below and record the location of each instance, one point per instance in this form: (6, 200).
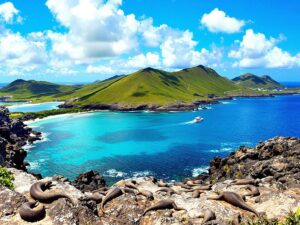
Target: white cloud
(255, 50)
(100, 69)
(104, 31)
(125, 66)
(16, 50)
(100, 38)
(142, 61)
(8, 13)
(152, 35)
(217, 21)
(178, 51)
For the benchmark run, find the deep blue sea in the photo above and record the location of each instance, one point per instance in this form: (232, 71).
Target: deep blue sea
(166, 145)
(291, 84)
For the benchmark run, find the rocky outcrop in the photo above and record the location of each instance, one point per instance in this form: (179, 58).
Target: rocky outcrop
(89, 181)
(58, 212)
(278, 158)
(129, 208)
(14, 134)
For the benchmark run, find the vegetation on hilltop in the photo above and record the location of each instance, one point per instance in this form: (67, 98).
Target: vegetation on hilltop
(252, 81)
(148, 86)
(36, 90)
(152, 86)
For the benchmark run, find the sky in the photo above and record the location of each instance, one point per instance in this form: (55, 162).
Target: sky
(86, 40)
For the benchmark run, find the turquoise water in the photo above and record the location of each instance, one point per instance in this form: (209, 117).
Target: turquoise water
(10, 103)
(26, 107)
(166, 145)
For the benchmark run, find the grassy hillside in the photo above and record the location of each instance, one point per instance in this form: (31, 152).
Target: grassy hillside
(90, 89)
(252, 81)
(35, 90)
(154, 86)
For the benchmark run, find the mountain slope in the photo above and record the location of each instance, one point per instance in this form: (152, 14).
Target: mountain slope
(154, 86)
(252, 81)
(22, 89)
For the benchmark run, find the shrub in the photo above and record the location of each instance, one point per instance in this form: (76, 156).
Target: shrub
(6, 178)
(290, 219)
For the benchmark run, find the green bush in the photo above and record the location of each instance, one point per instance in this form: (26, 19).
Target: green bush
(6, 178)
(291, 219)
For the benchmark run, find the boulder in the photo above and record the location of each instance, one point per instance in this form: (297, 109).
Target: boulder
(89, 181)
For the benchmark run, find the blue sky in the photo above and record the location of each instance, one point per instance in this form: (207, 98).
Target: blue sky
(87, 40)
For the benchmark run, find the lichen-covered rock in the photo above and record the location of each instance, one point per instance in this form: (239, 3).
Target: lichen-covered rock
(59, 212)
(10, 201)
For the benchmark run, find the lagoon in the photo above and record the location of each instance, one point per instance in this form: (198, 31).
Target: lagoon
(166, 145)
(28, 107)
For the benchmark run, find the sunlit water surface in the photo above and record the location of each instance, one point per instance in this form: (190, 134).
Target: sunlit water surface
(167, 145)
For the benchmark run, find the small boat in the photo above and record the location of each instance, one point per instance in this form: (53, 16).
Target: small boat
(197, 119)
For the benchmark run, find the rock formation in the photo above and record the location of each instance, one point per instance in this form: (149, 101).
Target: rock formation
(14, 134)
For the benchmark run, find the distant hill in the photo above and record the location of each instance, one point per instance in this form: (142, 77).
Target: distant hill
(154, 86)
(252, 81)
(31, 89)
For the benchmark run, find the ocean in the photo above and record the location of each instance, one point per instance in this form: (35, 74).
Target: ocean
(167, 145)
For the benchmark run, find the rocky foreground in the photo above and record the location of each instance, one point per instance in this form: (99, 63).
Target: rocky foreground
(252, 182)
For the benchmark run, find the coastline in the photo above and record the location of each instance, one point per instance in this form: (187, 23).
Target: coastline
(72, 109)
(271, 167)
(43, 136)
(34, 120)
(28, 103)
(219, 151)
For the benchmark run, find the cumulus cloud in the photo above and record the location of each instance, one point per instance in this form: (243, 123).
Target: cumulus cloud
(100, 70)
(178, 51)
(98, 37)
(8, 13)
(217, 21)
(153, 36)
(16, 50)
(96, 29)
(256, 50)
(127, 65)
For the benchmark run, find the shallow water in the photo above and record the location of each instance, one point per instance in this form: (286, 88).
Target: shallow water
(166, 145)
(10, 103)
(27, 107)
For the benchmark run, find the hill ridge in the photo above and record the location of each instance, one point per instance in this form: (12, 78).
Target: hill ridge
(250, 80)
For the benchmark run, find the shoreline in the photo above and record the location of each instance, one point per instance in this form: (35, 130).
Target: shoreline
(29, 103)
(30, 121)
(43, 136)
(137, 110)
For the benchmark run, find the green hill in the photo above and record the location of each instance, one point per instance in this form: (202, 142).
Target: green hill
(154, 86)
(252, 81)
(34, 90)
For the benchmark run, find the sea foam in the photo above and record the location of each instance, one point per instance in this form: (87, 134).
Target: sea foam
(200, 170)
